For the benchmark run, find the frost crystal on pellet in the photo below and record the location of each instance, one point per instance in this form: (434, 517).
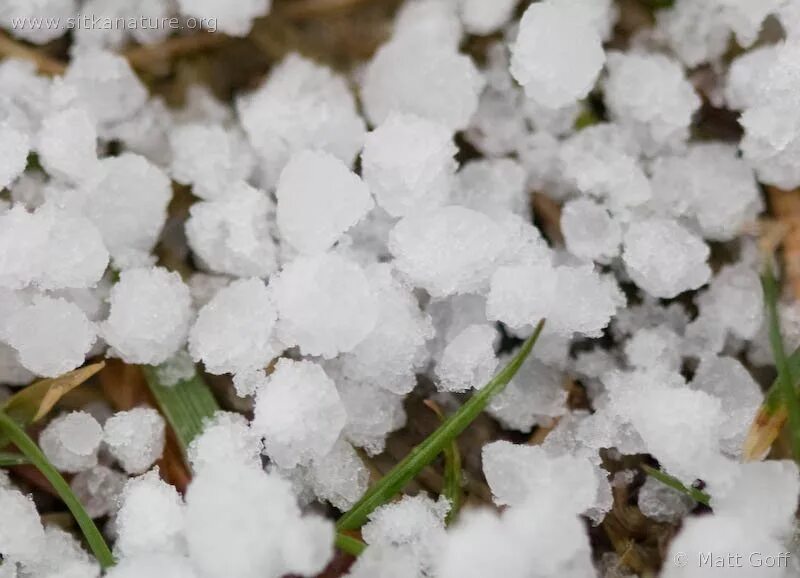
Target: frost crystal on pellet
(233, 235)
(210, 158)
(234, 331)
(22, 536)
(394, 350)
(602, 161)
(98, 490)
(301, 105)
(408, 164)
(469, 360)
(150, 517)
(590, 232)
(372, 413)
(325, 304)
(664, 258)
(726, 379)
(556, 55)
(71, 441)
(534, 396)
(711, 185)
(106, 83)
(244, 522)
(340, 477)
(14, 148)
(151, 310)
(319, 198)
(448, 250)
(298, 413)
(226, 438)
(419, 76)
(649, 95)
(412, 527)
(52, 336)
(67, 145)
(135, 438)
(127, 200)
(492, 186)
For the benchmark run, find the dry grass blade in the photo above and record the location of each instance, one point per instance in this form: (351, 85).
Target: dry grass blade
(35, 401)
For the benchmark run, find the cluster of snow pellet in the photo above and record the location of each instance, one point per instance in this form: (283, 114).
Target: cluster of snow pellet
(354, 235)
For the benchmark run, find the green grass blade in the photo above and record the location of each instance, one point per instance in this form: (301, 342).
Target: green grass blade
(186, 405)
(674, 483)
(774, 396)
(29, 448)
(349, 545)
(8, 459)
(422, 455)
(452, 489)
(787, 375)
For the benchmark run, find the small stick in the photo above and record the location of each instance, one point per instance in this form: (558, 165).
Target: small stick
(10, 48)
(306, 9)
(143, 55)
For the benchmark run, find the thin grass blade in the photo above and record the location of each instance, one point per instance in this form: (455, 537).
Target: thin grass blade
(29, 448)
(452, 489)
(674, 483)
(786, 373)
(186, 405)
(9, 459)
(349, 544)
(426, 452)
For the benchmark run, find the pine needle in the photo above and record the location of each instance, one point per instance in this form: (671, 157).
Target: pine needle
(186, 405)
(422, 455)
(786, 373)
(29, 448)
(674, 483)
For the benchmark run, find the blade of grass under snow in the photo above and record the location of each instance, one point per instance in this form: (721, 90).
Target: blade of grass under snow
(422, 455)
(186, 405)
(29, 448)
(674, 483)
(452, 489)
(349, 544)
(786, 374)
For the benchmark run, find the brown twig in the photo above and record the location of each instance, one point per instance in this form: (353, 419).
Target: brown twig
(306, 9)
(10, 48)
(548, 212)
(145, 55)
